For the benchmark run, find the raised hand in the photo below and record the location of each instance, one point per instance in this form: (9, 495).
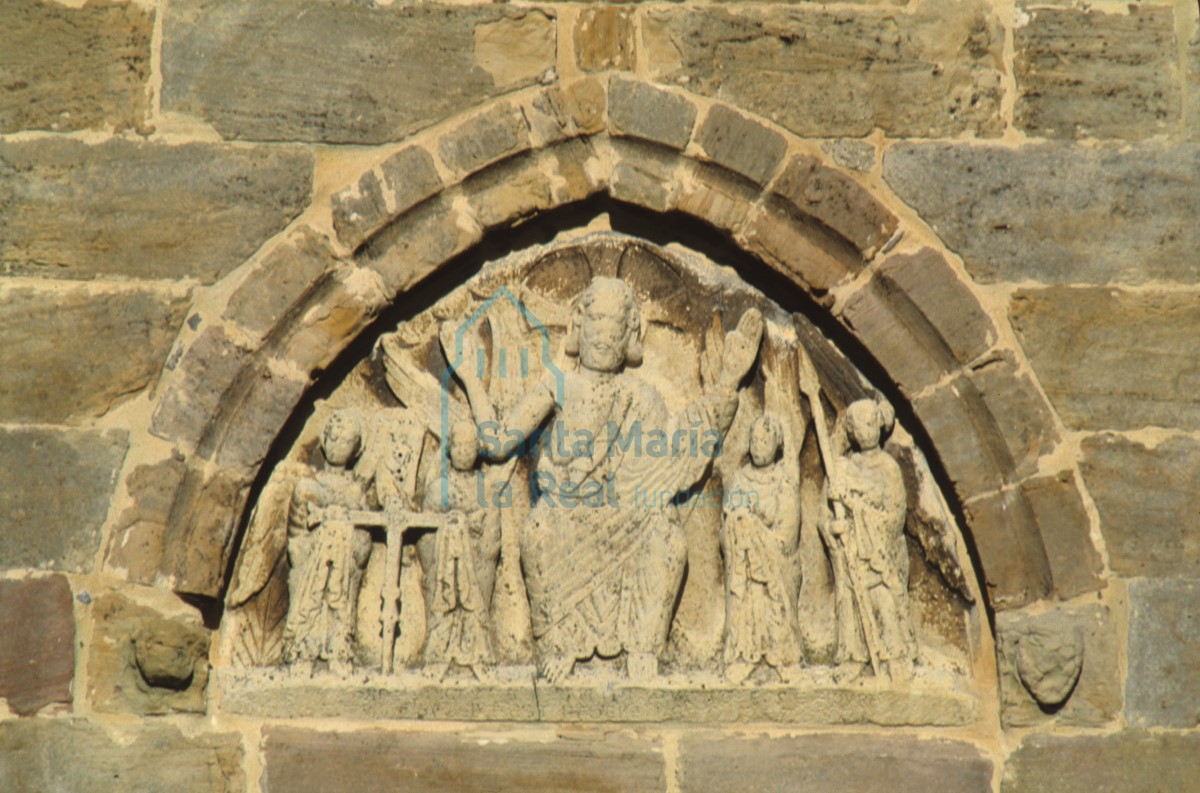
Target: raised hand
(741, 348)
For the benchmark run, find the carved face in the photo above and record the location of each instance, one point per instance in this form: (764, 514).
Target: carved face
(765, 441)
(464, 449)
(605, 318)
(863, 424)
(341, 439)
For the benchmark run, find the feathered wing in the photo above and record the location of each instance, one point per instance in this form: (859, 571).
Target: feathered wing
(266, 534)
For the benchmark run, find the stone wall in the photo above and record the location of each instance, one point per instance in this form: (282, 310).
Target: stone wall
(192, 194)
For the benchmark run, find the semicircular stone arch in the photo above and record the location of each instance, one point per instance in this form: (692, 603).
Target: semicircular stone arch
(259, 339)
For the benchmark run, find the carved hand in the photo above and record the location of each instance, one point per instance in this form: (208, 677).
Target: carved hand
(741, 348)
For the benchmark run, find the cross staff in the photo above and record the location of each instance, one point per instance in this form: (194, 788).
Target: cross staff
(811, 388)
(395, 523)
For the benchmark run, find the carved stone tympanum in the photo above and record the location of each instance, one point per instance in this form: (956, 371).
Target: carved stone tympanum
(603, 463)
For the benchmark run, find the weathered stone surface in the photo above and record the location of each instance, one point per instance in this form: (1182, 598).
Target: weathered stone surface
(1057, 505)
(1162, 687)
(203, 374)
(919, 319)
(332, 317)
(37, 656)
(800, 249)
(143, 662)
(740, 144)
(1147, 499)
(716, 196)
(1129, 760)
(509, 192)
(643, 111)
(1191, 110)
(929, 74)
(829, 763)
(1109, 359)
(567, 111)
(837, 201)
(1017, 410)
(71, 354)
(605, 38)
(74, 68)
(1057, 213)
(280, 281)
(500, 132)
(304, 760)
(857, 155)
(344, 72)
(1095, 699)
(644, 175)
(1015, 568)
(416, 244)
(1087, 73)
(178, 532)
(122, 208)
(270, 693)
(55, 488)
(255, 413)
(137, 544)
(65, 755)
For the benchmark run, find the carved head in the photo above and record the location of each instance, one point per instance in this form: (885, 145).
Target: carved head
(464, 447)
(342, 438)
(606, 326)
(766, 438)
(867, 422)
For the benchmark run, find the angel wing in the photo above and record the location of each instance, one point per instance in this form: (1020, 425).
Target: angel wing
(266, 534)
(417, 389)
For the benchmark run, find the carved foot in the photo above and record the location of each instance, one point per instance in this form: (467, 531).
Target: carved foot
(642, 667)
(555, 668)
(738, 671)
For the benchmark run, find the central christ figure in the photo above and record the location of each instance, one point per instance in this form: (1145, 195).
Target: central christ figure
(603, 573)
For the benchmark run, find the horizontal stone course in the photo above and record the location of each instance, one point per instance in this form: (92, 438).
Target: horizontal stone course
(1111, 359)
(74, 755)
(823, 73)
(1093, 73)
(143, 210)
(1147, 499)
(55, 488)
(1057, 213)
(345, 72)
(68, 69)
(37, 653)
(298, 760)
(1132, 760)
(1162, 686)
(831, 764)
(72, 354)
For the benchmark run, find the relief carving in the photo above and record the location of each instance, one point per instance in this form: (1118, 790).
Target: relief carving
(601, 461)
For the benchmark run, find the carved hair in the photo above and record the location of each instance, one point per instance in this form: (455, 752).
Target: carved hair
(774, 426)
(348, 419)
(633, 317)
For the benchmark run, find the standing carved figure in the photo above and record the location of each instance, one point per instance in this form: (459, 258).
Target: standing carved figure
(603, 571)
(326, 553)
(459, 560)
(862, 524)
(759, 539)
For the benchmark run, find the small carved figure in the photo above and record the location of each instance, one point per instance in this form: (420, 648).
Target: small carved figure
(760, 535)
(602, 570)
(327, 553)
(459, 560)
(862, 524)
